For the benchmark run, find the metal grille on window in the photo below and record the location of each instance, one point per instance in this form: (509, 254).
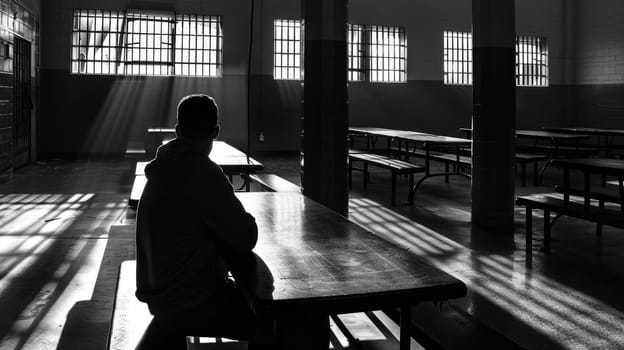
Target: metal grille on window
(356, 57)
(96, 41)
(198, 46)
(287, 48)
(387, 53)
(457, 58)
(531, 61)
(149, 48)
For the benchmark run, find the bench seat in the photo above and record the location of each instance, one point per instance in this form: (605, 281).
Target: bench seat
(274, 183)
(601, 196)
(135, 150)
(137, 190)
(396, 166)
(131, 317)
(465, 161)
(550, 203)
(568, 149)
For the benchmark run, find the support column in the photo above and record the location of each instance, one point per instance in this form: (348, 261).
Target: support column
(494, 113)
(325, 112)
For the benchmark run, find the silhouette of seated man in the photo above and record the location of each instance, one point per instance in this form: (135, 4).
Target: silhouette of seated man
(189, 224)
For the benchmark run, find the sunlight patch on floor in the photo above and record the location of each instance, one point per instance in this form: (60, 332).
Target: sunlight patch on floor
(568, 316)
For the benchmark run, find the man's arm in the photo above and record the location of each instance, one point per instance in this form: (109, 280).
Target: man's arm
(224, 214)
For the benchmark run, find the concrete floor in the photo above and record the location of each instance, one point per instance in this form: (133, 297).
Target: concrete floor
(62, 242)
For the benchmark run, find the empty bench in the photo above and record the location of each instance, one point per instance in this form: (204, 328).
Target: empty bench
(396, 166)
(465, 161)
(274, 183)
(137, 185)
(548, 204)
(131, 317)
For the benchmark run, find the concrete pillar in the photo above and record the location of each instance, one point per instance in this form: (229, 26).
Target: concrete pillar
(325, 112)
(494, 113)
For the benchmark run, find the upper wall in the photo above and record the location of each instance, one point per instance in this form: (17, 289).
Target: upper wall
(426, 20)
(424, 102)
(34, 6)
(599, 36)
(101, 113)
(597, 90)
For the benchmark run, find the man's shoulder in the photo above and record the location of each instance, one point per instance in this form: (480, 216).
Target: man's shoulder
(203, 167)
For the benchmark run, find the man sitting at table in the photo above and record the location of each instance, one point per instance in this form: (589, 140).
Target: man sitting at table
(189, 223)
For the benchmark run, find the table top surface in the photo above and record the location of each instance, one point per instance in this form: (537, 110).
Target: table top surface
(600, 165)
(227, 157)
(318, 258)
(411, 135)
(591, 131)
(551, 135)
(161, 130)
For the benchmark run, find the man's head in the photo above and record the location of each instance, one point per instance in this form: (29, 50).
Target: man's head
(197, 119)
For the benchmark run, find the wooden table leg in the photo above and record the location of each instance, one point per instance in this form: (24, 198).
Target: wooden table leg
(406, 324)
(566, 185)
(547, 230)
(529, 233)
(586, 186)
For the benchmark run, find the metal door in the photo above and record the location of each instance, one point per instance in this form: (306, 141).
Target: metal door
(22, 103)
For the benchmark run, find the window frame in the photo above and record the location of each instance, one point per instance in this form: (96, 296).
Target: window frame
(288, 52)
(373, 60)
(538, 70)
(152, 54)
(457, 52)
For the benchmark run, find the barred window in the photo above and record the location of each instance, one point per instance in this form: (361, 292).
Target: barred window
(374, 53)
(287, 49)
(531, 61)
(386, 48)
(97, 41)
(457, 58)
(199, 42)
(116, 42)
(356, 53)
(148, 50)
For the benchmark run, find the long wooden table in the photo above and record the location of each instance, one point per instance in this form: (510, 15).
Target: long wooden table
(555, 137)
(587, 131)
(231, 160)
(312, 262)
(606, 137)
(428, 142)
(589, 166)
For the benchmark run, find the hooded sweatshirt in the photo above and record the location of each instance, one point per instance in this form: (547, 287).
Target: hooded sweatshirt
(187, 218)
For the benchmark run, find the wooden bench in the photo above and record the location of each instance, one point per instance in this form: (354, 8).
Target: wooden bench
(274, 183)
(135, 150)
(548, 204)
(138, 184)
(555, 151)
(137, 189)
(396, 166)
(465, 161)
(600, 196)
(131, 317)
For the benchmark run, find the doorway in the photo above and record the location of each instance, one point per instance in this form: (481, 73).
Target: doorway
(22, 102)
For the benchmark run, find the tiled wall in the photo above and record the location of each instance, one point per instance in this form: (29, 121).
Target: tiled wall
(599, 33)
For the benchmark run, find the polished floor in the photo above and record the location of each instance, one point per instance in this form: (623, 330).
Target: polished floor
(62, 241)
